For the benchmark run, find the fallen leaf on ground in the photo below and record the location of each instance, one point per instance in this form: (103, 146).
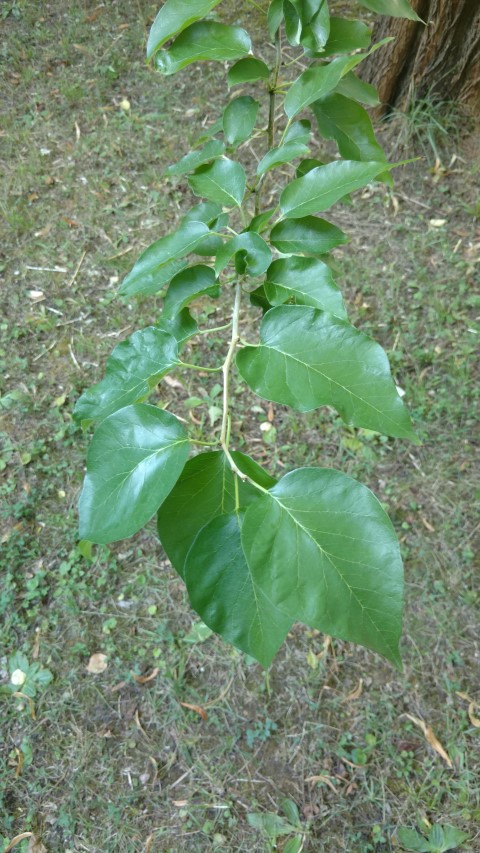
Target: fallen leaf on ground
(325, 779)
(355, 694)
(17, 840)
(472, 706)
(431, 738)
(36, 846)
(196, 708)
(143, 679)
(97, 663)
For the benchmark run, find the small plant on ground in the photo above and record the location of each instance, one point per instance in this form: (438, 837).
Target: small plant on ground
(439, 840)
(258, 554)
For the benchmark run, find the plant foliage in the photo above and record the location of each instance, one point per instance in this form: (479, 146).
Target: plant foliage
(257, 555)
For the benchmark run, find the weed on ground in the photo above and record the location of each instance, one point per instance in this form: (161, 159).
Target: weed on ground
(136, 729)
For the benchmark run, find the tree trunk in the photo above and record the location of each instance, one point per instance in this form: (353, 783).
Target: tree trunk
(441, 59)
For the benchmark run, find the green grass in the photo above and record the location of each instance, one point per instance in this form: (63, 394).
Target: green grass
(109, 760)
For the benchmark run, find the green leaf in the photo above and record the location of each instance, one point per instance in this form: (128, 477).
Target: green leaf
(293, 24)
(223, 592)
(206, 40)
(133, 369)
(299, 131)
(307, 281)
(182, 326)
(452, 837)
(252, 255)
(290, 810)
(308, 358)
(269, 823)
(274, 16)
(158, 263)
(394, 8)
(315, 29)
(294, 845)
(173, 17)
(247, 71)
(211, 214)
(412, 840)
(310, 235)
(239, 118)
(325, 185)
(135, 458)
(205, 490)
(317, 82)
(345, 36)
(193, 159)
(283, 154)
(260, 222)
(318, 529)
(436, 839)
(306, 166)
(188, 285)
(223, 182)
(358, 90)
(349, 124)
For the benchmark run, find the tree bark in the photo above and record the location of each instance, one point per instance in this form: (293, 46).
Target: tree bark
(441, 59)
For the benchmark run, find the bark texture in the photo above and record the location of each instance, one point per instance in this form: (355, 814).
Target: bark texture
(440, 59)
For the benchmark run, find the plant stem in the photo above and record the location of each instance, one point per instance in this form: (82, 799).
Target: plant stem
(199, 367)
(271, 111)
(225, 431)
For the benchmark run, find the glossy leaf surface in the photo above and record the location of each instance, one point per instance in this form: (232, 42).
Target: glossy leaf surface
(283, 154)
(322, 548)
(299, 131)
(182, 326)
(158, 263)
(223, 591)
(394, 8)
(205, 490)
(135, 458)
(222, 182)
(345, 36)
(352, 87)
(325, 185)
(308, 358)
(310, 235)
(247, 70)
(194, 159)
(173, 17)
(347, 122)
(305, 280)
(188, 285)
(252, 255)
(206, 40)
(133, 369)
(239, 119)
(317, 82)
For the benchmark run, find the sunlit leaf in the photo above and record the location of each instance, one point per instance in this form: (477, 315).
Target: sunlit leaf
(394, 8)
(252, 255)
(310, 235)
(305, 280)
(318, 529)
(309, 358)
(188, 285)
(325, 185)
(222, 182)
(206, 40)
(173, 17)
(194, 159)
(247, 70)
(135, 458)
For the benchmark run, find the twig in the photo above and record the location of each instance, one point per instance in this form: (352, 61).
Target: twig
(77, 269)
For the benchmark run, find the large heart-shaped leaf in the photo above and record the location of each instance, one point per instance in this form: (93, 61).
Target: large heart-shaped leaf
(223, 591)
(321, 548)
(317, 82)
(175, 16)
(252, 255)
(325, 185)
(205, 490)
(188, 285)
(133, 369)
(305, 280)
(223, 181)
(206, 40)
(310, 235)
(394, 8)
(159, 263)
(135, 458)
(308, 358)
(239, 118)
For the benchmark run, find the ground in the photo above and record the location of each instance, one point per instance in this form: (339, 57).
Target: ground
(178, 742)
